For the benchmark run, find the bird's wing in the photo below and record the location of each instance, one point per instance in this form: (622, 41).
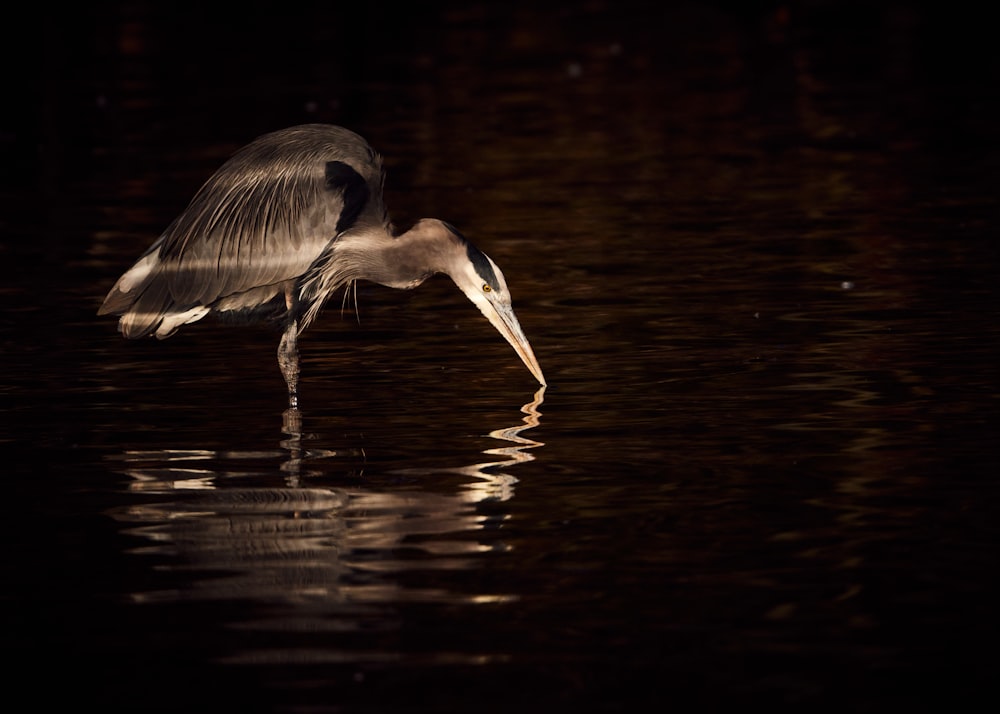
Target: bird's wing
(269, 212)
(247, 229)
(262, 219)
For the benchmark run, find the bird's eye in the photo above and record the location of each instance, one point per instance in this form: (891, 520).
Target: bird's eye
(487, 288)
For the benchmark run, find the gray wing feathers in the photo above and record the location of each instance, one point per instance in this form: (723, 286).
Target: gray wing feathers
(248, 228)
(262, 219)
(146, 312)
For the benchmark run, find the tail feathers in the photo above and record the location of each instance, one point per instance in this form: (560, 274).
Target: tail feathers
(133, 283)
(116, 303)
(148, 309)
(144, 309)
(142, 297)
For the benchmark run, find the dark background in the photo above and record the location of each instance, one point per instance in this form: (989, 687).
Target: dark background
(88, 86)
(114, 114)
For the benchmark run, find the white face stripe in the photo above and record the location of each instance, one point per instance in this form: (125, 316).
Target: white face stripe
(498, 292)
(485, 269)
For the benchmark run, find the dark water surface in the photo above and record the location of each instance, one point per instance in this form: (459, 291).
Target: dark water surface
(755, 253)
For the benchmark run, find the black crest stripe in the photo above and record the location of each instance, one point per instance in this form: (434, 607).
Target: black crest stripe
(479, 260)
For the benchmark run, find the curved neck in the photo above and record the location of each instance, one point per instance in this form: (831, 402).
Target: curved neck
(375, 255)
(403, 261)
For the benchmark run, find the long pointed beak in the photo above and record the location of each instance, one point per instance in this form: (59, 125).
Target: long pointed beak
(507, 325)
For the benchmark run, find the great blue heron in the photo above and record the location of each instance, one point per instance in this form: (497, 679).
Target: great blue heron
(287, 221)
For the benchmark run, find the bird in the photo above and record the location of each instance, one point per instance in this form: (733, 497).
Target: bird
(287, 221)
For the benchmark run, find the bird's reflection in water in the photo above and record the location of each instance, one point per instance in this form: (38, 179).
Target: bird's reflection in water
(322, 543)
(491, 483)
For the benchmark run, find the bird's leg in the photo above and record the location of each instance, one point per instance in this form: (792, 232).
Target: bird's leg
(288, 360)
(288, 348)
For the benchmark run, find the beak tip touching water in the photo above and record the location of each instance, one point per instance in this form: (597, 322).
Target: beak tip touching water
(536, 370)
(507, 325)
(527, 355)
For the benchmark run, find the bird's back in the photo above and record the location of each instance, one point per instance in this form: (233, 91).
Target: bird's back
(261, 220)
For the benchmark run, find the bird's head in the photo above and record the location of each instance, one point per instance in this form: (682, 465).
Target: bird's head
(483, 283)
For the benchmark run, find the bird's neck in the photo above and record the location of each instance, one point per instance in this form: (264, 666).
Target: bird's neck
(403, 261)
(377, 256)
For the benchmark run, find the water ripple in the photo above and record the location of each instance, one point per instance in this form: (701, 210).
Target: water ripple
(315, 539)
